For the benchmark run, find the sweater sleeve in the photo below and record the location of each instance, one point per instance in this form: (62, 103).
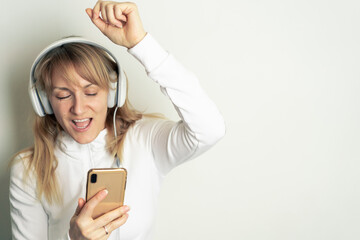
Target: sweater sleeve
(28, 218)
(201, 124)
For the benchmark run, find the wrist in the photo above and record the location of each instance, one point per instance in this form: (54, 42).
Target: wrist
(139, 39)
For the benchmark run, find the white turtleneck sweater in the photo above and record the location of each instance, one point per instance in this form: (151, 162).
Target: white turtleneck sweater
(152, 148)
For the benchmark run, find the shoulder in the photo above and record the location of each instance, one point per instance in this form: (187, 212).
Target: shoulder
(23, 156)
(22, 185)
(19, 165)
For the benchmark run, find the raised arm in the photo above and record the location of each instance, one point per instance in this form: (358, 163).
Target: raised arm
(201, 126)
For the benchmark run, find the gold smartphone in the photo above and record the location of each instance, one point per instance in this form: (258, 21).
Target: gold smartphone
(112, 179)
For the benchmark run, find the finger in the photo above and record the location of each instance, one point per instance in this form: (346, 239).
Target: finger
(103, 12)
(89, 12)
(117, 223)
(81, 203)
(111, 16)
(97, 21)
(89, 206)
(127, 7)
(110, 216)
(100, 233)
(96, 10)
(119, 14)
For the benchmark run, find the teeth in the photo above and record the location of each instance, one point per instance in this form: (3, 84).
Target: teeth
(81, 123)
(82, 120)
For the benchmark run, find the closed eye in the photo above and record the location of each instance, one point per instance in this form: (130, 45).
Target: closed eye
(91, 94)
(61, 98)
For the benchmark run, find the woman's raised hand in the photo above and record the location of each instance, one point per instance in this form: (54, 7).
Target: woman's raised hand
(83, 226)
(120, 22)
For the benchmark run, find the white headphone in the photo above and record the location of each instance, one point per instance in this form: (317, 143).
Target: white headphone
(39, 100)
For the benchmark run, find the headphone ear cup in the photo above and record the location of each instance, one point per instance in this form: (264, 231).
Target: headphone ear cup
(122, 89)
(112, 98)
(39, 100)
(117, 91)
(45, 102)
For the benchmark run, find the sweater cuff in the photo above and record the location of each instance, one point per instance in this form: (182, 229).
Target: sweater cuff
(149, 52)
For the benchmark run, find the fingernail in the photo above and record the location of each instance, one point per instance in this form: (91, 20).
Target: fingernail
(126, 208)
(105, 192)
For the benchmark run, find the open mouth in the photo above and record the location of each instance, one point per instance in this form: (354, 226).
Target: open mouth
(82, 124)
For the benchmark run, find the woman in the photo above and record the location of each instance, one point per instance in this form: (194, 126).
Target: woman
(48, 180)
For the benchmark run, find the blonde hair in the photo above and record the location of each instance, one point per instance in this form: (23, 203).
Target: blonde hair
(94, 65)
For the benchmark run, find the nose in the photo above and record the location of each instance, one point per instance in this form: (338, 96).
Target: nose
(79, 105)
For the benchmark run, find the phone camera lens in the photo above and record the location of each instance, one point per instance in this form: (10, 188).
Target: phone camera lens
(93, 178)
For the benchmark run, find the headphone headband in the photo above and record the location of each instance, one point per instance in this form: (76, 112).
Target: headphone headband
(38, 97)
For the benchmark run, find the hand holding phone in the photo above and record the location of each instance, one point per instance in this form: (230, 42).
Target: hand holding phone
(83, 226)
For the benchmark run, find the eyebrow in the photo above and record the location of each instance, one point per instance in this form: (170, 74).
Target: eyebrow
(66, 89)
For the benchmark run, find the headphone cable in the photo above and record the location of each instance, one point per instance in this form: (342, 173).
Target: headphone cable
(118, 163)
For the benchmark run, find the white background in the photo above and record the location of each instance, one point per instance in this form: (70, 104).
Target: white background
(285, 75)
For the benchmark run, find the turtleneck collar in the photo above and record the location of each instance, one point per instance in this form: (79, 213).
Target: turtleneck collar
(67, 143)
